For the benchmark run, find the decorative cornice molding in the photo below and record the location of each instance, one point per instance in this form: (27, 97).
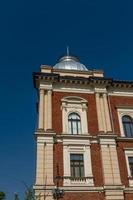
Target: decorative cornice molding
(54, 77)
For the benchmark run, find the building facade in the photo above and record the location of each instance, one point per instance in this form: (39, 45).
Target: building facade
(85, 134)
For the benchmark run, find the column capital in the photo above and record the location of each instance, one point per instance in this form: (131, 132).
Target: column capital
(49, 91)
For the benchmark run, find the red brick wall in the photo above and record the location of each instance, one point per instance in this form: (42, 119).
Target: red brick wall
(122, 161)
(58, 162)
(128, 197)
(118, 101)
(96, 165)
(83, 196)
(57, 113)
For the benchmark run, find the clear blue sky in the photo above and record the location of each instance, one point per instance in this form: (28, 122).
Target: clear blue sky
(99, 32)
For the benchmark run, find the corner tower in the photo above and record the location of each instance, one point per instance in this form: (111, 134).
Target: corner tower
(77, 153)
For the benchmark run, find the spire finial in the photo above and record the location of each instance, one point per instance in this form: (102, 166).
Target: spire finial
(67, 50)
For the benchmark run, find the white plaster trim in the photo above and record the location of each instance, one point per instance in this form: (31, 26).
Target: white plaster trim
(129, 153)
(101, 89)
(121, 113)
(82, 188)
(76, 141)
(77, 147)
(107, 141)
(74, 105)
(46, 140)
(73, 88)
(124, 93)
(45, 86)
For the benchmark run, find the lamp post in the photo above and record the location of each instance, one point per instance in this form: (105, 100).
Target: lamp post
(58, 192)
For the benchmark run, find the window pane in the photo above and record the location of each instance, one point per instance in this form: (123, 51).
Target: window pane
(75, 131)
(76, 157)
(74, 123)
(127, 125)
(130, 160)
(77, 165)
(77, 174)
(82, 171)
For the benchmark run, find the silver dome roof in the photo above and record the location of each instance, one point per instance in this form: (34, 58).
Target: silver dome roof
(70, 63)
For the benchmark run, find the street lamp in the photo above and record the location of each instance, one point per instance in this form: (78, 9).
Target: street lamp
(58, 193)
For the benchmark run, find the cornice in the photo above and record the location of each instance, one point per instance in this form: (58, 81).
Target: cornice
(92, 81)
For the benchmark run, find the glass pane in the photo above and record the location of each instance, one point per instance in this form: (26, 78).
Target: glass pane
(79, 127)
(72, 174)
(76, 157)
(126, 118)
(130, 160)
(69, 127)
(77, 174)
(74, 123)
(74, 127)
(82, 171)
(127, 125)
(77, 165)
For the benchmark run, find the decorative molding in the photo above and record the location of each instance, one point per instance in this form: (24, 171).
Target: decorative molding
(76, 147)
(74, 104)
(121, 112)
(129, 153)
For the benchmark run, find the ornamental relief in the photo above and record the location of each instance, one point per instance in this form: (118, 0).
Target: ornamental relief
(130, 113)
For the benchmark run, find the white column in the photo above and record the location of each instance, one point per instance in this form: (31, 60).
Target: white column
(110, 164)
(49, 164)
(106, 163)
(49, 114)
(40, 163)
(45, 110)
(115, 165)
(87, 161)
(107, 115)
(103, 112)
(99, 115)
(41, 110)
(84, 120)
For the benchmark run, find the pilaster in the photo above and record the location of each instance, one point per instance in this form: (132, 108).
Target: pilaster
(103, 113)
(41, 110)
(44, 165)
(111, 172)
(49, 109)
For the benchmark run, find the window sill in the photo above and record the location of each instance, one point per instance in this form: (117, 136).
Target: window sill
(78, 181)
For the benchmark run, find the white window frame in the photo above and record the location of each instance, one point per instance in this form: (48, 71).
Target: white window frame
(122, 112)
(129, 153)
(74, 104)
(72, 146)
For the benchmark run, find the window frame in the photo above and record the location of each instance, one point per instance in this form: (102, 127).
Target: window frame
(124, 112)
(77, 165)
(74, 104)
(128, 124)
(128, 154)
(72, 122)
(73, 146)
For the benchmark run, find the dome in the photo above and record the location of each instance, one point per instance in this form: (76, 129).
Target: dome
(70, 63)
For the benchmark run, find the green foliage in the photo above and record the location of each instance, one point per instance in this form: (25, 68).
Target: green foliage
(16, 197)
(29, 194)
(2, 195)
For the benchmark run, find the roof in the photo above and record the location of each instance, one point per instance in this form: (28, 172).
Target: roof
(70, 63)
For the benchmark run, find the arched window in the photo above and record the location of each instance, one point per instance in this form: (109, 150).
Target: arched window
(127, 122)
(74, 124)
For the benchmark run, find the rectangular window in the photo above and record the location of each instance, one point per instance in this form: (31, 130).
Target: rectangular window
(77, 165)
(130, 160)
